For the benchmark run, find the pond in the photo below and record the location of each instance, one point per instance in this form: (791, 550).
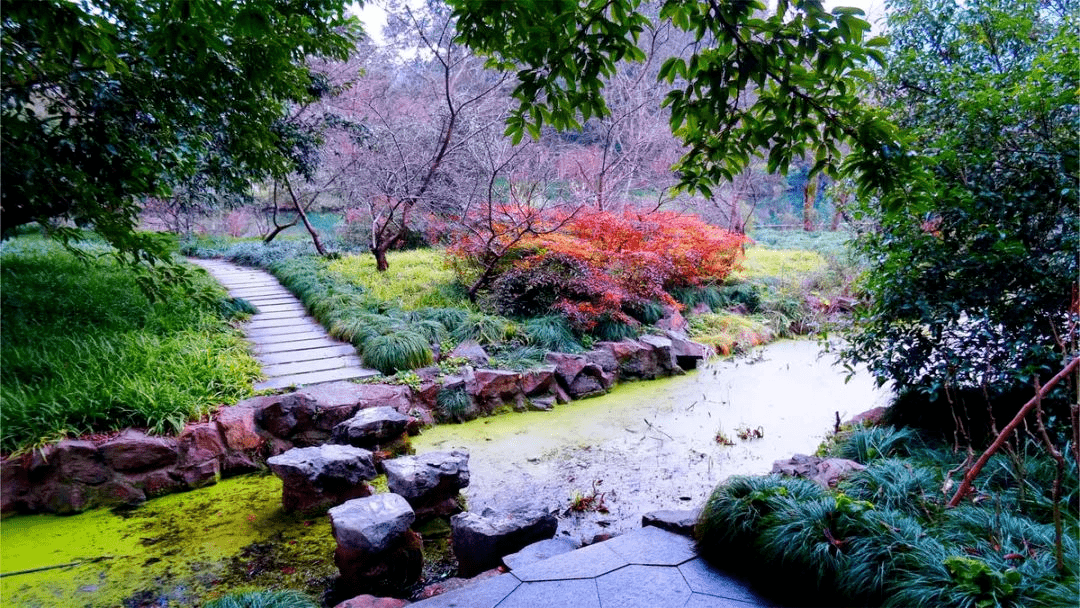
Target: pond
(645, 446)
(653, 445)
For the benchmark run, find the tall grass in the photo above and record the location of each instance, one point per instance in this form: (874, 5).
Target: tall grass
(884, 536)
(84, 350)
(416, 279)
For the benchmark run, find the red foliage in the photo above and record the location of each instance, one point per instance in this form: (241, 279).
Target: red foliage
(611, 262)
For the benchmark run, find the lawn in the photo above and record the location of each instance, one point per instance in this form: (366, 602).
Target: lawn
(85, 351)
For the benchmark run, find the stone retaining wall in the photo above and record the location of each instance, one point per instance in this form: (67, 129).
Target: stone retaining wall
(75, 474)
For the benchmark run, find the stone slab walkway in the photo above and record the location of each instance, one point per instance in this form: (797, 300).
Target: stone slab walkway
(646, 568)
(291, 346)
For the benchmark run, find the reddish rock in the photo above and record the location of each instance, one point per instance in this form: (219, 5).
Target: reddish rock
(636, 360)
(665, 355)
(134, 451)
(538, 381)
(673, 320)
(238, 427)
(472, 351)
(603, 358)
(284, 415)
(14, 486)
(336, 402)
(65, 498)
(370, 601)
(567, 367)
(870, 417)
(200, 443)
(585, 386)
(493, 387)
(701, 308)
(116, 493)
(687, 353)
(80, 461)
(157, 483)
(201, 474)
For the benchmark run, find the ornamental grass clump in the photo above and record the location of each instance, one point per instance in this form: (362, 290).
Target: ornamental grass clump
(397, 351)
(884, 536)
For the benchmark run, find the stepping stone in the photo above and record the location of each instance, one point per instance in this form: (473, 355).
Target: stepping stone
(480, 540)
(376, 550)
(323, 476)
(430, 482)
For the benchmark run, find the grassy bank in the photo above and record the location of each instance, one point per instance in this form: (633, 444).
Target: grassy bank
(390, 316)
(884, 537)
(85, 351)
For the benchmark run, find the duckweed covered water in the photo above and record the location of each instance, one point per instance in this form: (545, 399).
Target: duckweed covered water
(653, 445)
(177, 550)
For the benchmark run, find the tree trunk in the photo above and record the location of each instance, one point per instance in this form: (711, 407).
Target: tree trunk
(380, 259)
(303, 216)
(809, 194)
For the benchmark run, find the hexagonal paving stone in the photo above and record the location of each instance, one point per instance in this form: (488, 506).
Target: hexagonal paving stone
(485, 594)
(702, 578)
(578, 594)
(643, 587)
(700, 600)
(653, 547)
(589, 562)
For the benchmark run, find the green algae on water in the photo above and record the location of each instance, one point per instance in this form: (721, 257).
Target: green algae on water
(177, 550)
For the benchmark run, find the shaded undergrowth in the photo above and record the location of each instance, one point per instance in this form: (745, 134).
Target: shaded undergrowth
(84, 350)
(884, 536)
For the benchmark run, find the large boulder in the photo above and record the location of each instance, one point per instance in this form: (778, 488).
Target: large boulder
(284, 415)
(376, 551)
(578, 376)
(202, 454)
(315, 478)
(492, 388)
(242, 438)
(480, 540)
(429, 482)
(372, 427)
(134, 451)
(687, 353)
(673, 321)
(826, 472)
(538, 382)
(636, 360)
(339, 401)
(665, 355)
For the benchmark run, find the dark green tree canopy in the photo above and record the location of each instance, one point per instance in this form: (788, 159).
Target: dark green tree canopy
(974, 259)
(781, 82)
(108, 101)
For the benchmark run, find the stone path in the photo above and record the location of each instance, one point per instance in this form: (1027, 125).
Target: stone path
(291, 346)
(646, 568)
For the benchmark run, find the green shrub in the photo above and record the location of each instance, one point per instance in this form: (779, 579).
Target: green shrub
(869, 444)
(550, 332)
(885, 538)
(485, 329)
(264, 599)
(401, 350)
(453, 404)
